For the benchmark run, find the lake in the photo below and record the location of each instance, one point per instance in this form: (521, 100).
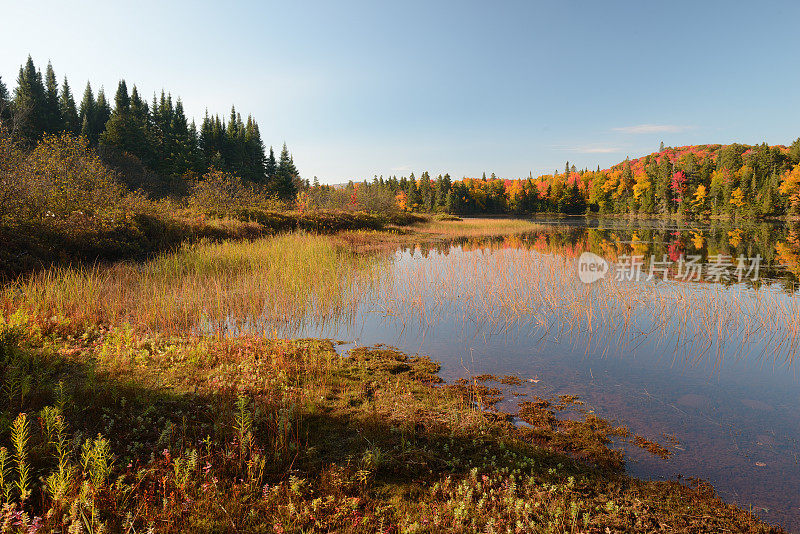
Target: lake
(703, 365)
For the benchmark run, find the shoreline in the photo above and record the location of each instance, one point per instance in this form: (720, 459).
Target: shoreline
(270, 424)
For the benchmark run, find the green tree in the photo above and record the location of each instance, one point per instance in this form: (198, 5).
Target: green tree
(255, 158)
(53, 120)
(88, 114)
(123, 130)
(5, 103)
(103, 114)
(29, 103)
(68, 110)
(285, 176)
(271, 166)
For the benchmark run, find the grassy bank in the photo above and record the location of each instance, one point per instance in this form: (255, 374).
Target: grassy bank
(267, 285)
(107, 429)
(34, 246)
(118, 415)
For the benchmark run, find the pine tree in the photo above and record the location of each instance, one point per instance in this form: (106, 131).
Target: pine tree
(181, 158)
(29, 103)
(103, 114)
(122, 102)
(123, 130)
(140, 116)
(285, 176)
(88, 113)
(255, 159)
(52, 113)
(271, 167)
(68, 110)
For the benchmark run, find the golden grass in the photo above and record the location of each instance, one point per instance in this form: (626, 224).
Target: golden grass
(478, 227)
(269, 285)
(505, 289)
(279, 285)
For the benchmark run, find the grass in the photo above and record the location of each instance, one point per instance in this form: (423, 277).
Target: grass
(475, 227)
(508, 283)
(124, 410)
(133, 432)
(270, 285)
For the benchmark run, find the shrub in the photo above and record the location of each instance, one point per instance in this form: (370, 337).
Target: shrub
(220, 193)
(60, 178)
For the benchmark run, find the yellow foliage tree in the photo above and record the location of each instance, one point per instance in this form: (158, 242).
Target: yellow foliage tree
(700, 195)
(641, 184)
(790, 186)
(402, 200)
(737, 197)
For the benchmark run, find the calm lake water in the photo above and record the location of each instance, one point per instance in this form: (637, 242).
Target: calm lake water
(709, 361)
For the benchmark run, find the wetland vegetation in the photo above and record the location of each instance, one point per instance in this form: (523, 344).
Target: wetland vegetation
(192, 337)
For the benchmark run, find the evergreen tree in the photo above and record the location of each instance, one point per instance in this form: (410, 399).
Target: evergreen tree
(5, 103)
(88, 114)
(68, 110)
(122, 101)
(29, 103)
(271, 167)
(285, 176)
(52, 112)
(181, 158)
(102, 114)
(123, 131)
(255, 159)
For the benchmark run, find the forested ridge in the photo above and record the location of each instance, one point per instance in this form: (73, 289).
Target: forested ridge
(152, 145)
(693, 181)
(153, 148)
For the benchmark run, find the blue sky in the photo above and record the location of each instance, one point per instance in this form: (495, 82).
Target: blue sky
(363, 88)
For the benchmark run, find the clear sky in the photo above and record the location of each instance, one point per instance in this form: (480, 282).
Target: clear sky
(363, 88)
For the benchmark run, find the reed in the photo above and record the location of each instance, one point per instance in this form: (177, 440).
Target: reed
(266, 285)
(476, 227)
(500, 287)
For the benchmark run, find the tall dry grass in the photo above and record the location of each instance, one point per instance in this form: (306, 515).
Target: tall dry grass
(478, 227)
(506, 289)
(271, 285)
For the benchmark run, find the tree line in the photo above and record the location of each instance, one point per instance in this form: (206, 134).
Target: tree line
(156, 133)
(690, 181)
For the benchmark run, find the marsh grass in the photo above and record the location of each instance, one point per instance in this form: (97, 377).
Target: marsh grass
(502, 287)
(475, 227)
(268, 285)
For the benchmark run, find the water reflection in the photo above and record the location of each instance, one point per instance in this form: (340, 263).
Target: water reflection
(711, 363)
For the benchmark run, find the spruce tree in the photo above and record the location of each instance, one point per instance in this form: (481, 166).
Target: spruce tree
(122, 102)
(68, 110)
(29, 103)
(285, 176)
(103, 114)
(88, 113)
(271, 167)
(5, 103)
(123, 130)
(52, 112)
(255, 159)
(181, 158)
